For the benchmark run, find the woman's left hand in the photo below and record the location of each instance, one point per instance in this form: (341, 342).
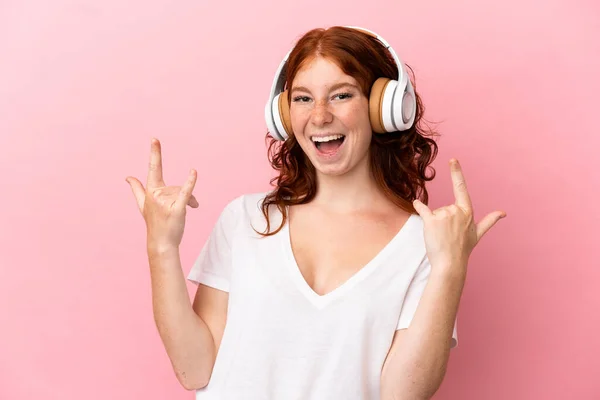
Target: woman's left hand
(450, 232)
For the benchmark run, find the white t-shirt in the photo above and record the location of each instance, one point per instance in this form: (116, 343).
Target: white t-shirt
(282, 340)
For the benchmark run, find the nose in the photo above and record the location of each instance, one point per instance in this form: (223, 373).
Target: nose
(321, 114)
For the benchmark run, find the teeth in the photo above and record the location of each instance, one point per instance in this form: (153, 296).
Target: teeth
(327, 138)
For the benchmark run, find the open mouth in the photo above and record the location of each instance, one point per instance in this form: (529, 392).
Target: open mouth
(328, 144)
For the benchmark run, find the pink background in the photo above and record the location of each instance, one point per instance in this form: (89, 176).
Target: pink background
(84, 86)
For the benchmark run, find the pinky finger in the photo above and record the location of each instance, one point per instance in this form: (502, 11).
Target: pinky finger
(138, 191)
(488, 222)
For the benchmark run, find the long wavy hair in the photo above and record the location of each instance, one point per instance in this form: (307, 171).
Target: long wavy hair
(398, 160)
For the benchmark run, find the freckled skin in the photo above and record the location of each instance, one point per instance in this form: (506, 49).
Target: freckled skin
(321, 110)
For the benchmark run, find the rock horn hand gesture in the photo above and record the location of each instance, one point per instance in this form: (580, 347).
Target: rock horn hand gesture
(163, 207)
(450, 232)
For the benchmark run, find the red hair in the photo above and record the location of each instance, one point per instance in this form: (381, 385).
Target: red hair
(399, 160)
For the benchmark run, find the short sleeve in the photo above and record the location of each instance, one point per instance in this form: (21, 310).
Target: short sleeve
(413, 295)
(213, 265)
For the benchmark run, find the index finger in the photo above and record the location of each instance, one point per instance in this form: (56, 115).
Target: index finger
(155, 176)
(459, 185)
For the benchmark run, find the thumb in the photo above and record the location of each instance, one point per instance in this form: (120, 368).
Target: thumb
(186, 190)
(138, 191)
(422, 209)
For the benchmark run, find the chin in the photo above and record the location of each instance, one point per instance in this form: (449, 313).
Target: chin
(338, 167)
(331, 170)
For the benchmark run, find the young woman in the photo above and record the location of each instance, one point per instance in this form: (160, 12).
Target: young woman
(340, 283)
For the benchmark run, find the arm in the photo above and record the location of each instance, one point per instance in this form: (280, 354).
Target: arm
(190, 334)
(417, 360)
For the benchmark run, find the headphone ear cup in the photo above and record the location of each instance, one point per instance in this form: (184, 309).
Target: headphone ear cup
(376, 104)
(391, 106)
(270, 120)
(406, 110)
(284, 112)
(279, 112)
(403, 107)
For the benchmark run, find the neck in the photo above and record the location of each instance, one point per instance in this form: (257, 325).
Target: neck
(353, 191)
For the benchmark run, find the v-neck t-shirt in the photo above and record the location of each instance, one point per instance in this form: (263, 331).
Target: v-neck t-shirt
(282, 340)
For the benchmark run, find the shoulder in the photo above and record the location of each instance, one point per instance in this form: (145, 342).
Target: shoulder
(245, 209)
(247, 203)
(414, 231)
(417, 222)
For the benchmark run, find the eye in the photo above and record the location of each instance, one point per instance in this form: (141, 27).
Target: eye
(343, 96)
(301, 99)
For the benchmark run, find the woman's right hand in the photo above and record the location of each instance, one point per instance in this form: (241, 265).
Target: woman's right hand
(163, 207)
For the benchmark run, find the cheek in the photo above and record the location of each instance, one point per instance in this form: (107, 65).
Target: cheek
(298, 120)
(357, 119)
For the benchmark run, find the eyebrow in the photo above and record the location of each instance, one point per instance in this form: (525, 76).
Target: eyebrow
(334, 87)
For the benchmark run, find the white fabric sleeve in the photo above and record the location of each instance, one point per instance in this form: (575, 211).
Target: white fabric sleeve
(413, 295)
(213, 265)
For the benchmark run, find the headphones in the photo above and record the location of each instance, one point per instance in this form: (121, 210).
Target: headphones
(392, 103)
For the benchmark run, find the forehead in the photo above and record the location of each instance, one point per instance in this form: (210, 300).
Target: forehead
(321, 71)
